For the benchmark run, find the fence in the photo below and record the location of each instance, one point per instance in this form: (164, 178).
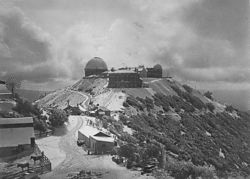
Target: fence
(43, 167)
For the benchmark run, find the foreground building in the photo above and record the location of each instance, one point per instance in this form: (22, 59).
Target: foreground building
(16, 132)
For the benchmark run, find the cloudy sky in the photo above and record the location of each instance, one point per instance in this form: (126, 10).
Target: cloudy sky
(203, 42)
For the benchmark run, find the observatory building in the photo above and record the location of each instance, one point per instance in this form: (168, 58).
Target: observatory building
(95, 66)
(155, 72)
(124, 79)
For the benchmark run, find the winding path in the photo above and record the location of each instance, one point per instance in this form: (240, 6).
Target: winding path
(74, 158)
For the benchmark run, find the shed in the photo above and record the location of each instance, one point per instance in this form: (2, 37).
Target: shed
(101, 143)
(103, 111)
(95, 140)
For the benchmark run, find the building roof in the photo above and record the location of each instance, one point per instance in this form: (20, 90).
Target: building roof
(3, 89)
(16, 120)
(103, 108)
(96, 134)
(16, 131)
(121, 71)
(96, 63)
(158, 67)
(103, 139)
(88, 131)
(101, 134)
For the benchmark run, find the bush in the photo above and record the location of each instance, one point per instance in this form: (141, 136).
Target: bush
(125, 104)
(26, 108)
(118, 126)
(133, 102)
(128, 138)
(229, 108)
(210, 106)
(188, 88)
(123, 119)
(39, 125)
(183, 170)
(58, 117)
(209, 95)
(127, 150)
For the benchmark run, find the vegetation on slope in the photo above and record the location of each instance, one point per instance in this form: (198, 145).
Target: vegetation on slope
(204, 138)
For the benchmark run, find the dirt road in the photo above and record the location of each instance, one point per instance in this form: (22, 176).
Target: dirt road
(77, 159)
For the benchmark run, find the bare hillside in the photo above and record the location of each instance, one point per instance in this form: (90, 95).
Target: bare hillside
(61, 98)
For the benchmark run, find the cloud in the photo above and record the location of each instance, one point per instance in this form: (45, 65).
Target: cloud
(203, 40)
(26, 50)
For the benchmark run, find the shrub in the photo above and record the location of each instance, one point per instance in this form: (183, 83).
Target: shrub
(210, 106)
(128, 138)
(133, 102)
(188, 88)
(229, 108)
(118, 126)
(125, 104)
(123, 119)
(127, 150)
(39, 125)
(209, 95)
(104, 123)
(182, 170)
(26, 108)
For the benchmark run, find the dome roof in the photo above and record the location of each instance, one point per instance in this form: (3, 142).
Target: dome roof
(158, 67)
(96, 63)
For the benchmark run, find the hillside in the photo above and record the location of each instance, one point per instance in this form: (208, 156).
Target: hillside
(61, 98)
(195, 130)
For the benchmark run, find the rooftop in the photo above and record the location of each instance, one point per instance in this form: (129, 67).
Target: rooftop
(88, 131)
(122, 71)
(104, 139)
(96, 63)
(20, 120)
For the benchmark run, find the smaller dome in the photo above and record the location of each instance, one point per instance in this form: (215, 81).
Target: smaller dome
(96, 63)
(158, 67)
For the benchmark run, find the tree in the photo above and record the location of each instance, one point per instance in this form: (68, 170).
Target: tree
(58, 117)
(127, 150)
(13, 83)
(39, 125)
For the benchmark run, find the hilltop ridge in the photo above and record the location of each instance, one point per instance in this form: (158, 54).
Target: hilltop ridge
(192, 126)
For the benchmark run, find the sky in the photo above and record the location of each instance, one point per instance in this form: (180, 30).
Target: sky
(47, 43)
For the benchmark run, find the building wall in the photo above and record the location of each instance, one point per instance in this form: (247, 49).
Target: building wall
(100, 147)
(124, 80)
(154, 73)
(89, 72)
(143, 73)
(6, 95)
(10, 137)
(85, 138)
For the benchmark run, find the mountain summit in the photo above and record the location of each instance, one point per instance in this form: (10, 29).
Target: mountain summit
(193, 127)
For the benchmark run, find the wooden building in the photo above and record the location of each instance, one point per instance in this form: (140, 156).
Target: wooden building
(16, 132)
(101, 111)
(96, 141)
(101, 143)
